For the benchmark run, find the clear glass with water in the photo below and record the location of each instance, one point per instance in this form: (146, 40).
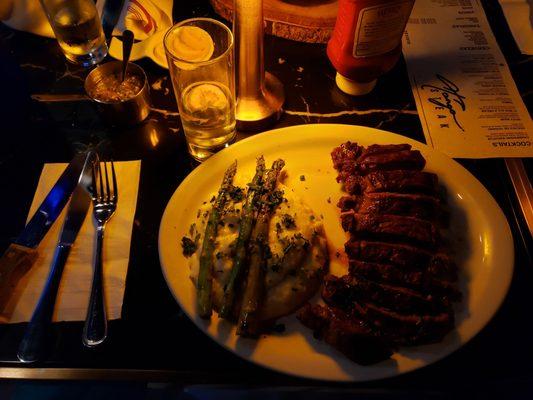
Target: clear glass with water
(200, 57)
(78, 29)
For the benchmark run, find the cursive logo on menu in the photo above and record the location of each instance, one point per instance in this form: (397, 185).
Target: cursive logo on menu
(447, 98)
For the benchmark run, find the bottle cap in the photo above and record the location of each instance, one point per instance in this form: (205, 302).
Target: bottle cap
(352, 87)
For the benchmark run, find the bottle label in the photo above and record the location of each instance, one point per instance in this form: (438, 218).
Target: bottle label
(380, 28)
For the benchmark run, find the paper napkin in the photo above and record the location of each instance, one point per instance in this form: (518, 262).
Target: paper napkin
(75, 288)
(519, 16)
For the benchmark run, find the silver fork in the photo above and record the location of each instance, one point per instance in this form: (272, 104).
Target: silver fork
(105, 197)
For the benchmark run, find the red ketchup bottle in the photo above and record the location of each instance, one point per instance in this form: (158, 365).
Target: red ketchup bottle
(367, 41)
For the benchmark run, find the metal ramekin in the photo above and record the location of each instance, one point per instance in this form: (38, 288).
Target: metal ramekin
(126, 112)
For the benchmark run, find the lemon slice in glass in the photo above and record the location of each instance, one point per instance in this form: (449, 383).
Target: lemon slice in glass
(192, 44)
(205, 97)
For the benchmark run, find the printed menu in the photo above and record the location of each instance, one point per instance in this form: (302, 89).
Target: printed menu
(467, 100)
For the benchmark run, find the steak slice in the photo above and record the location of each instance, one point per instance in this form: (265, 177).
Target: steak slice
(439, 265)
(391, 227)
(352, 183)
(380, 252)
(387, 161)
(346, 333)
(409, 329)
(398, 181)
(350, 158)
(400, 286)
(344, 291)
(344, 159)
(411, 205)
(374, 149)
(420, 280)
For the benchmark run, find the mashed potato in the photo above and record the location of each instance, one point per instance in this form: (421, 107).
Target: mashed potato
(297, 261)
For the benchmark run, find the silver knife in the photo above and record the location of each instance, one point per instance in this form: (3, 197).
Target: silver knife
(21, 254)
(34, 341)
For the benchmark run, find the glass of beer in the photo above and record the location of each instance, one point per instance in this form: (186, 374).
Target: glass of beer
(78, 30)
(200, 59)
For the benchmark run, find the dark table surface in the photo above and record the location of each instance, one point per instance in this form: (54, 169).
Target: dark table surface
(154, 340)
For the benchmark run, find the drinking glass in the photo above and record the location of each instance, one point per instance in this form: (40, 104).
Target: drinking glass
(202, 73)
(78, 30)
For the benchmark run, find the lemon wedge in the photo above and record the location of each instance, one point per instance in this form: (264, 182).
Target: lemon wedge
(205, 97)
(191, 43)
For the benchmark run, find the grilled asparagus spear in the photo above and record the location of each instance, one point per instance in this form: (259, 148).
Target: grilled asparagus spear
(205, 279)
(245, 231)
(248, 324)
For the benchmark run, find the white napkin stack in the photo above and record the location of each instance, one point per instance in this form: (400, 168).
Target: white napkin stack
(74, 291)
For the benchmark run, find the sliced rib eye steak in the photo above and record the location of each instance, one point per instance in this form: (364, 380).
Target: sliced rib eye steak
(401, 282)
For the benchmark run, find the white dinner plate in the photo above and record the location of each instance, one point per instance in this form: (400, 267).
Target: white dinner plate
(480, 237)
